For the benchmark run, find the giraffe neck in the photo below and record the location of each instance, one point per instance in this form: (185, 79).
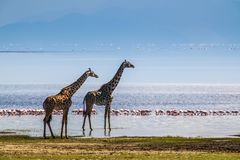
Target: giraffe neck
(72, 88)
(115, 80)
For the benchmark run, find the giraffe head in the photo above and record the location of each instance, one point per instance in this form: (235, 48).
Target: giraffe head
(127, 64)
(91, 73)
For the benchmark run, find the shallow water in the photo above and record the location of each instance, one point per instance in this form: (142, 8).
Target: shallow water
(154, 97)
(210, 126)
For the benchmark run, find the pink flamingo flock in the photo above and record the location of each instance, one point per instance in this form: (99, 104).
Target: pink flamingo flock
(126, 112)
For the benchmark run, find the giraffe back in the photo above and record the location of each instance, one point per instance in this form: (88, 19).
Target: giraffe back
(57, 102)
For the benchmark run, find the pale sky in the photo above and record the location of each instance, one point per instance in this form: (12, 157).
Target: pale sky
(169, 41)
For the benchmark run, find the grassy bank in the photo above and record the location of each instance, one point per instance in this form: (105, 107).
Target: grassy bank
(24, 147)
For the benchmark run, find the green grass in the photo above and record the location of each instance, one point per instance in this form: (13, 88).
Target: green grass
(25, 147)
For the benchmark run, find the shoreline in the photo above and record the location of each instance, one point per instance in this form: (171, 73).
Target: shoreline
(15, 133)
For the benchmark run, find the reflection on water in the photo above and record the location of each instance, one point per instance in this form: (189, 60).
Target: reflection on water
(210, 126)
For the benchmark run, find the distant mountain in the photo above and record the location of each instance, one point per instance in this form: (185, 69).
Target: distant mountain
(171, 24)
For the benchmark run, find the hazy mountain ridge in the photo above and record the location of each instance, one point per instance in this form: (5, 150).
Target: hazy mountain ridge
(203, 23)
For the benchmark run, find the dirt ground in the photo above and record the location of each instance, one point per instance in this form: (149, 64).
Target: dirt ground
(21, 146)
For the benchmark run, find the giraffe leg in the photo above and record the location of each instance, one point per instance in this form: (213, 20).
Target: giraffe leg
(90, 133)
(108, 114)
(89, 115)
(62, 124)
(105, 117)
(66, 120)
(46, 120)
(49, 126)
(89, 119)
(105, 133)
(89, 105)
(84, 120)
(44, 128)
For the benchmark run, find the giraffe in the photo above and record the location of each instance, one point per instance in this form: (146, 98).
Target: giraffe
(103, 96)
(62, 101)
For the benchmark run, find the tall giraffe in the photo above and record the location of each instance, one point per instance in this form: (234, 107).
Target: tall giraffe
(62, 101)
(103, 96)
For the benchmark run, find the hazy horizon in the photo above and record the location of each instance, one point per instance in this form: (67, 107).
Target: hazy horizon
(169, 42)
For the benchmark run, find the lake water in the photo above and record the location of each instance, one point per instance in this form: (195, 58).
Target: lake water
(207, 97)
